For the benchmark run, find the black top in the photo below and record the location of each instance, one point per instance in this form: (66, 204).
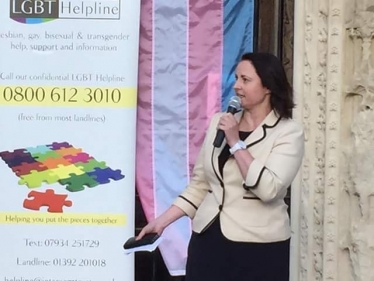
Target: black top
(225, 153)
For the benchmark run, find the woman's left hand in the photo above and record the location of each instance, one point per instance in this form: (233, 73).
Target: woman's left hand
(230, 126)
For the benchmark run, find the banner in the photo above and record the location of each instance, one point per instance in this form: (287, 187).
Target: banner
(188, 53)
(68, 93)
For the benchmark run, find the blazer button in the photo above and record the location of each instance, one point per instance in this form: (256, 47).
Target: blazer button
(220, 207)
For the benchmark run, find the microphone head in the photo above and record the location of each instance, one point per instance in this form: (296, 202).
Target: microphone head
(235, 103)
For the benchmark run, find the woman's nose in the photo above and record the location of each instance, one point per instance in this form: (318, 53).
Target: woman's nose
(236, 85)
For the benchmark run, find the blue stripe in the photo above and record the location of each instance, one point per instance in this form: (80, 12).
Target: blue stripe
(238, 39)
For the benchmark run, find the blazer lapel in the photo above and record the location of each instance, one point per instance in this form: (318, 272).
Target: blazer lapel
(216, 152)
(259, 133)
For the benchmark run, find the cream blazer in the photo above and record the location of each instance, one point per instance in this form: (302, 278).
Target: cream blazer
(251, 209)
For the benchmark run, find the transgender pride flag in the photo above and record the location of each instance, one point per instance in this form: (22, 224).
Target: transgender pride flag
(188, 52)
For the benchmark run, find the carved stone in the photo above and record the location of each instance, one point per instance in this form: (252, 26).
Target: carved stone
(333, 211)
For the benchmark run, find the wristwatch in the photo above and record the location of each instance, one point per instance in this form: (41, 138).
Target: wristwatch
(239, 145)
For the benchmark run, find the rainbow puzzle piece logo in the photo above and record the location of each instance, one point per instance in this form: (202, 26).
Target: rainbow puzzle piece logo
(58, 163)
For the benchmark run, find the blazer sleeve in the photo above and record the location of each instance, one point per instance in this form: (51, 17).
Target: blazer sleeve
(191, 198)
(270, 180)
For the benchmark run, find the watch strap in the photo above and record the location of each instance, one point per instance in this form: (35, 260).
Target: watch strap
(238, 146)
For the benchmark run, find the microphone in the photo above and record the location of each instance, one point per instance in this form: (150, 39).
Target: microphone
(234, 107)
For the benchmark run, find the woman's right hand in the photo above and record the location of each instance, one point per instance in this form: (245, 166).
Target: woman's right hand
(159, 224)
(155, 226)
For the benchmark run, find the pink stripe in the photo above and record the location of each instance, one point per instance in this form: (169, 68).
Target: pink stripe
(214, 86)
(144, 148)
(205, 68)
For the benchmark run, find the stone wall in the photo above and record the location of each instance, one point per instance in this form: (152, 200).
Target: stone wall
(332, 199)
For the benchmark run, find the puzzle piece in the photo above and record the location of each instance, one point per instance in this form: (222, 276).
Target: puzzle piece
(64, 172)
(78, 182)
(90, 166)
(104, 175)
(7, 155)
(59, 145)
(53, 163)
(54, 202)
(80, 157)
(40, 149)
(26, 168)
(36, 179)
(41, 157)
(18, 161)
(68, 151)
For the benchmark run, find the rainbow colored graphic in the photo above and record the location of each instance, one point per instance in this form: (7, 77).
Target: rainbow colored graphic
(32, 20)
(58, 163)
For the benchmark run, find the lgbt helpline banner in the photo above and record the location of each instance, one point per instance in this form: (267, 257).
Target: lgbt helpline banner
(68, 92)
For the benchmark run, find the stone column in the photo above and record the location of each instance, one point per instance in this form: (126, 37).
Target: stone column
(332, 199)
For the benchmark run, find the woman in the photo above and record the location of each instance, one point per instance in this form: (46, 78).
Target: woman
(236, 196)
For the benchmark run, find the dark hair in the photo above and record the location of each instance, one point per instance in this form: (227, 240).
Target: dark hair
(271, 72)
